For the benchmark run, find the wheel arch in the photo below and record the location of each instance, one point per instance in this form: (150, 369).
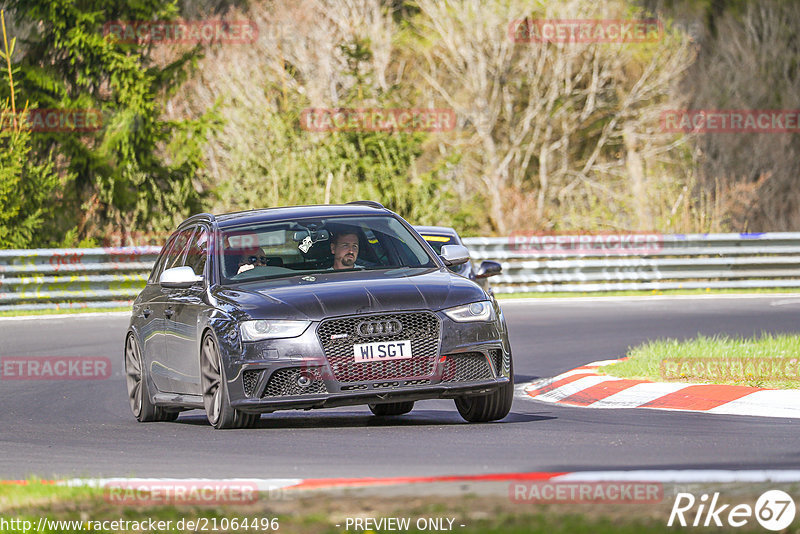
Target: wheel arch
(222, 327)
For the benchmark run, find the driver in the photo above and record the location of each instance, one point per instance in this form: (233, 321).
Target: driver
(344, 248)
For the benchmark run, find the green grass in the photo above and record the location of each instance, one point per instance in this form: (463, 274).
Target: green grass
(33, 491)
(707, 291)
(768, 361)
(21, 313)
(519, 524)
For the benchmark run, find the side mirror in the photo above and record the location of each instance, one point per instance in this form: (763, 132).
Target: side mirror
(179, 278)
(488, 268)
(454, 255)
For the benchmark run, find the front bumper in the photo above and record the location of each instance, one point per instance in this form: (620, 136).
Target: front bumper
(298, 373)
(332, 400)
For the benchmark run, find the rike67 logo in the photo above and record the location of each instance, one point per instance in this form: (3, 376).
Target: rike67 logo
(774, 510)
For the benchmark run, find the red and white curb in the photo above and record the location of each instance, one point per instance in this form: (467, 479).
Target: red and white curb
(678, 476)
(585, 387)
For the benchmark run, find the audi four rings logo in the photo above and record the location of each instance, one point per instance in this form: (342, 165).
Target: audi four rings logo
(379, 328)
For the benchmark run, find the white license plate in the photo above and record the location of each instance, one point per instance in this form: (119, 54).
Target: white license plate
(381, 351)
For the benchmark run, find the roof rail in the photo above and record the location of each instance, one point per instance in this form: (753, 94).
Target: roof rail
(199, 217)
(371, 203)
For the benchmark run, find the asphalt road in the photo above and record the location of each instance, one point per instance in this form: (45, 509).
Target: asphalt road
(85, 428)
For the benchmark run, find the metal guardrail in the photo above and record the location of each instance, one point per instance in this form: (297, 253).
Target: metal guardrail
(112, 277)
(537, 263)
(73, 278)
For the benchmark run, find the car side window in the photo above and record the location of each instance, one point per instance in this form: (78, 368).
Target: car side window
(374, 251)
(198, 251)
(158, 268)
(177, 254)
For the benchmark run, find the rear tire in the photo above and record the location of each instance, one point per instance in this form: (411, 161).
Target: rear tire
(491, 407)
(217, 403)
(138, 391)
(391, 408)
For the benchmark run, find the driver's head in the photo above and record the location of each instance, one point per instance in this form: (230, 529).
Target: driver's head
(344, 248)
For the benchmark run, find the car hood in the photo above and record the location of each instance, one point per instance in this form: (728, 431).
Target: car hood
(321, 295)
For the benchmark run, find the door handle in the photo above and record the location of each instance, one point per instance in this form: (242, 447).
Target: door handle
(168, 312)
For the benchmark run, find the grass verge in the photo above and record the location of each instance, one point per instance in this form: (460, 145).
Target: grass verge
(13, 313)
(328, 513)
(767, 361)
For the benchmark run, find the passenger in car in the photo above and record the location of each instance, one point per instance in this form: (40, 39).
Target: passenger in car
(247, 262)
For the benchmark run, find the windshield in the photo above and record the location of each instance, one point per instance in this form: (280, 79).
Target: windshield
(304, 246)
(437, 241)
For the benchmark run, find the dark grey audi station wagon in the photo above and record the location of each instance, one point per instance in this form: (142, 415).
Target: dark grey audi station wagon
(312, 307)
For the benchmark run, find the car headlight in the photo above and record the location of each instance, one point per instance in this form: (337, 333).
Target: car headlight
(477, 311)
(269, 329)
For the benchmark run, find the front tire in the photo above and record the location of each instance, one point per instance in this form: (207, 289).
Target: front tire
(491, 407)
(391, 408)
(217, 403)
(138, 391)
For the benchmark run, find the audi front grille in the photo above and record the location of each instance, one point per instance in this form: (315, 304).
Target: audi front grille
(338, 336)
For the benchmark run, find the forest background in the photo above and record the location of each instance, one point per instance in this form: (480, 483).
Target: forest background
(548, 137)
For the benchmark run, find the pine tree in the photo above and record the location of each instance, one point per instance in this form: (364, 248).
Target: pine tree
(25, 187)
(134, 172)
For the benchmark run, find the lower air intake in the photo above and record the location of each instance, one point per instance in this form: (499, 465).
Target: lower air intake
(466, 367)
(287, 382)
(250, 381)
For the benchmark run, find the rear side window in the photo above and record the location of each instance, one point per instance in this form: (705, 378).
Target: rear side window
(158, 268)
(177, 254)
(198, 251)
(174, 250)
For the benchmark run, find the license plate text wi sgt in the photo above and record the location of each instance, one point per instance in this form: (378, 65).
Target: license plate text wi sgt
(381, 351)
